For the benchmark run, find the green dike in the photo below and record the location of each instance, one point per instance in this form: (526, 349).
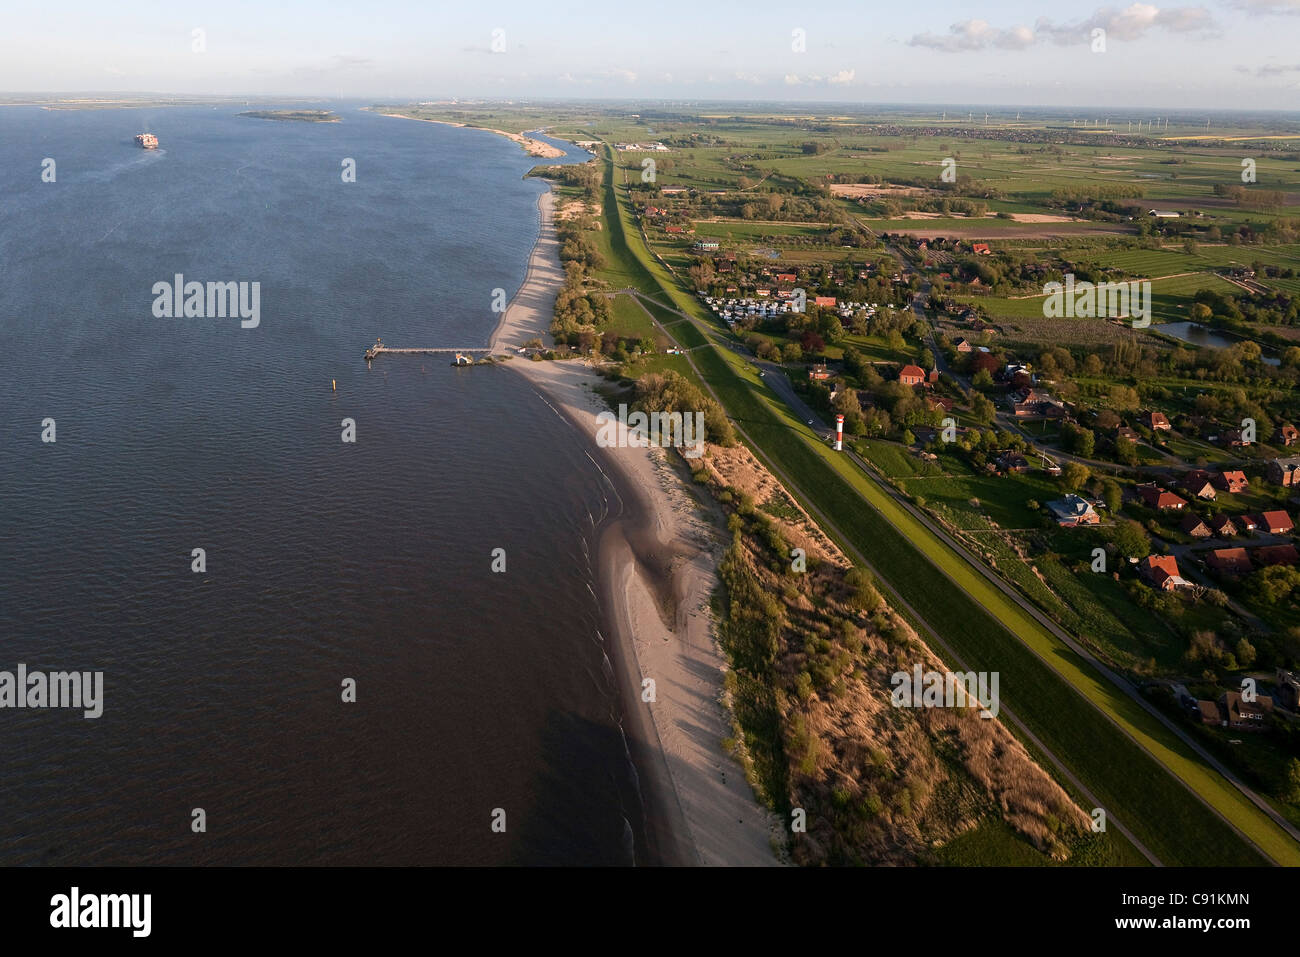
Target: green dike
(1161, 813)
(1136, 785)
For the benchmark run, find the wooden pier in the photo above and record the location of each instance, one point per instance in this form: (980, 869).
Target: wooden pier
(379, 349)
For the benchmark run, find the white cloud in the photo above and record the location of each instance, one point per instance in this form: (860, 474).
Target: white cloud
(1131, 23)
(1291, 7)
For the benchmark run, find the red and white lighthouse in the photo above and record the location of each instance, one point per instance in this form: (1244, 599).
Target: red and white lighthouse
(839, 433)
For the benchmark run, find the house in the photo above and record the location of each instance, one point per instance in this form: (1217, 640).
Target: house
(1197, 483)
(1277, 555)
(939, 402)
(912, 375)
(1223, 526)
(1073, 510)
(1243, 715)
(1194, 526)
(1155, 421)
(980, 249)
(1232, 482)
(1276, 523)
(707, 245)
(1229, 562)
(1035, 403)
(1233, 438)
(1161, 571)
(1288, 689)
(961, 345)
(1286, 434)
(1207, 712)
(1163, 213)
(1160, 499)
(786, 277)
(1012, 462)
(818, 372)
(827, 302)
(1248, 523)
(674, 229)
(1283, 471)
(1124, 432)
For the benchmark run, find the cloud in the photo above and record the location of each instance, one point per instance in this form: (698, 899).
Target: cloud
(1271, 69)
(1287, 7)
(974, 35)
(1131, 23)
(842, 78)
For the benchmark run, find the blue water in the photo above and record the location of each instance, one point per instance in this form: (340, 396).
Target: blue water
(326, 560)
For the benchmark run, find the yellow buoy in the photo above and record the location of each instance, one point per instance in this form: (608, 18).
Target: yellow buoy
(334, 384)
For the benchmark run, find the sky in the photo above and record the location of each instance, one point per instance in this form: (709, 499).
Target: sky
(1221, 54)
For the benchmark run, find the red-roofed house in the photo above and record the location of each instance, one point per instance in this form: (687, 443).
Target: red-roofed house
(980, 249)
(1193, 525)
(1197, 482)
(1232, 482)
(828, 301)
(1277, 523)
(1156, 497)
(912, 375)
(1287, 434)
(1223, 526)
(1161, 571)
(1277, 555)
(1156, 420)
(1231, 562)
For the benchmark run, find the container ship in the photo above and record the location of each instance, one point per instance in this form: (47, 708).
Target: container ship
(146, 140)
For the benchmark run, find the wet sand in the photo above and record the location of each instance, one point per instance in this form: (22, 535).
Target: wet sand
(657, 567)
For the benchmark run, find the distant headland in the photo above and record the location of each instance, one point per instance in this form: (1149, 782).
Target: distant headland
(300, 116)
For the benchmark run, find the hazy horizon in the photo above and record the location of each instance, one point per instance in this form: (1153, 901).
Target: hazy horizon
(1228, 54)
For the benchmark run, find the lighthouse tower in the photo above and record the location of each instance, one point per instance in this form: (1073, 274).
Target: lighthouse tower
(839, 433)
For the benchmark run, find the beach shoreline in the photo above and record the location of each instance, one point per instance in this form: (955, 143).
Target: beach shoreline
(657, 564)
(531, 146)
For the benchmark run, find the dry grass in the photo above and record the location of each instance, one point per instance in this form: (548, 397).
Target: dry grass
(879, 784)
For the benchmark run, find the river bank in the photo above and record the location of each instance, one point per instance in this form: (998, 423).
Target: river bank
(657, 568)
(533, 147)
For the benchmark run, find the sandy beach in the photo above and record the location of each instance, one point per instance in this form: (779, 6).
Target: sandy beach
(657, 567)
(532, 147)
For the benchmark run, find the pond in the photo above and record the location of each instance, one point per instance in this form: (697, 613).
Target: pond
(1199, 335)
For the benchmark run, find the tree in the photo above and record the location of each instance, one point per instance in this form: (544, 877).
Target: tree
(1126, 451)
(1130, 540)
(792, 352)
(1074, 475)
(1079, 440)
(1111, 495)
(982, 380)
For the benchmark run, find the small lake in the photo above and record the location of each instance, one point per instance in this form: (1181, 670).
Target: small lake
(1199, 335)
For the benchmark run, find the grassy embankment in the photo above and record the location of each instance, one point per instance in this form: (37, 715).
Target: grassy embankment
(981, 624)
